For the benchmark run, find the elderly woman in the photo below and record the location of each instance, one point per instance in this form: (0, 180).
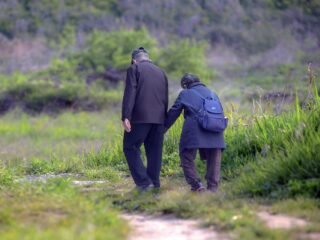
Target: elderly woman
(194, 137)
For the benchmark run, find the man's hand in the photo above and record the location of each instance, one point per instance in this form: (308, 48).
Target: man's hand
(126, 125)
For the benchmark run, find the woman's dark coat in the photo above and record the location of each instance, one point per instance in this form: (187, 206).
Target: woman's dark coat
(193, 136)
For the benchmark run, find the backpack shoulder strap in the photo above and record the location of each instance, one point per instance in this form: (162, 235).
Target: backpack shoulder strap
(197, 93)
(201, 96)
(212, 94)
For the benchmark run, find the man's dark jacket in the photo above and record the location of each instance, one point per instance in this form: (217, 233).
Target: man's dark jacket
(193, 136)
(145, 97)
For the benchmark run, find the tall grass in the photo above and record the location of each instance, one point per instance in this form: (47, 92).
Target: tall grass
(292, 169)
(292, 166)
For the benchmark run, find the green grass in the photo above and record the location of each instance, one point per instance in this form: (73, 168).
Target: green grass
(42, 96)
(56, 210)
(73, 126)
(271, 162)
(291, 166)
(46, 144)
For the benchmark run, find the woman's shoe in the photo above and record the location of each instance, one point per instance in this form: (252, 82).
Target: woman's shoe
(199, 188)
(212, 189)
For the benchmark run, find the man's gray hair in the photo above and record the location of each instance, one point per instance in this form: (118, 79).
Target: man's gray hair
(141, 56)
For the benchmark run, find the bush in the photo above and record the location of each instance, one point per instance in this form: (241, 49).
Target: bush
(45, 97)
(6, 177)
(185, 56)
(60, 71)
(104, 50)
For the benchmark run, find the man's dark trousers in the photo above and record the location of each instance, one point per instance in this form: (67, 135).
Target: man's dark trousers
(151, 135)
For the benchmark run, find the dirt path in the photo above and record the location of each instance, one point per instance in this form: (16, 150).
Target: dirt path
(281, 221)
(146, 227)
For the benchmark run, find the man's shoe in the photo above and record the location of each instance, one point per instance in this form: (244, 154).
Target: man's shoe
(145, 188)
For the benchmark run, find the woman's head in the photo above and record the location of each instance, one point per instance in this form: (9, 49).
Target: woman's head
(189, 79)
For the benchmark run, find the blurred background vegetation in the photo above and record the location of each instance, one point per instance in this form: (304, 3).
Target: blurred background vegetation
(250, 47)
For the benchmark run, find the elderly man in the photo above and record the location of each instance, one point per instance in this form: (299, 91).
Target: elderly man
(144, 108)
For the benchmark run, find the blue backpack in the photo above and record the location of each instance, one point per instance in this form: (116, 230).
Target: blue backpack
(210, 116)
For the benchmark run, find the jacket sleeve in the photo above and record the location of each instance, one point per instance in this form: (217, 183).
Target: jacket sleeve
(174, 112)
(130, 92)
(167, 93)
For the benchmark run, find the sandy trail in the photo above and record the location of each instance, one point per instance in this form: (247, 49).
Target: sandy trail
(146, 227)
(281, 221)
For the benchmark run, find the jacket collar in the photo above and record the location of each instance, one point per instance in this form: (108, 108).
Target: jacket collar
(196, 84)
(145, 60)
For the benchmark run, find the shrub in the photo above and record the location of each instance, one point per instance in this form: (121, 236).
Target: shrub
(6, 177)
(185, 56)
(61, 71)
(105, 50)
(45, 97)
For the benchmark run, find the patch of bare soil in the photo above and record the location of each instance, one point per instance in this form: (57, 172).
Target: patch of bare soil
(168, 228)
(47, 176)
(310, 236)
(276, 221)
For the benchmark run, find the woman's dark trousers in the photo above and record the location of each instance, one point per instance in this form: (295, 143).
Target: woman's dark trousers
(151, 135)
(213, 158)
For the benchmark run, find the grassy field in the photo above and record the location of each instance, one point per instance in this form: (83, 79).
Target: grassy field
(271, 164)
(54, 209)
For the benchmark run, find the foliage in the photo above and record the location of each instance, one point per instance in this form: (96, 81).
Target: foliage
(247, 27)
(51, 16)
(60, 71)
(43, 96)
(291, 169)
(185, 56)
(111, 51)
(311, 7)
(6, 177)
(104, 50)
(13, 79)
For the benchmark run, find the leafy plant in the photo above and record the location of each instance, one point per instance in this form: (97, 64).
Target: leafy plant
(104, 50)
(185, 56)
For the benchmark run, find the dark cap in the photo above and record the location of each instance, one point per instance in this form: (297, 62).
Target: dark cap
(136, 51)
